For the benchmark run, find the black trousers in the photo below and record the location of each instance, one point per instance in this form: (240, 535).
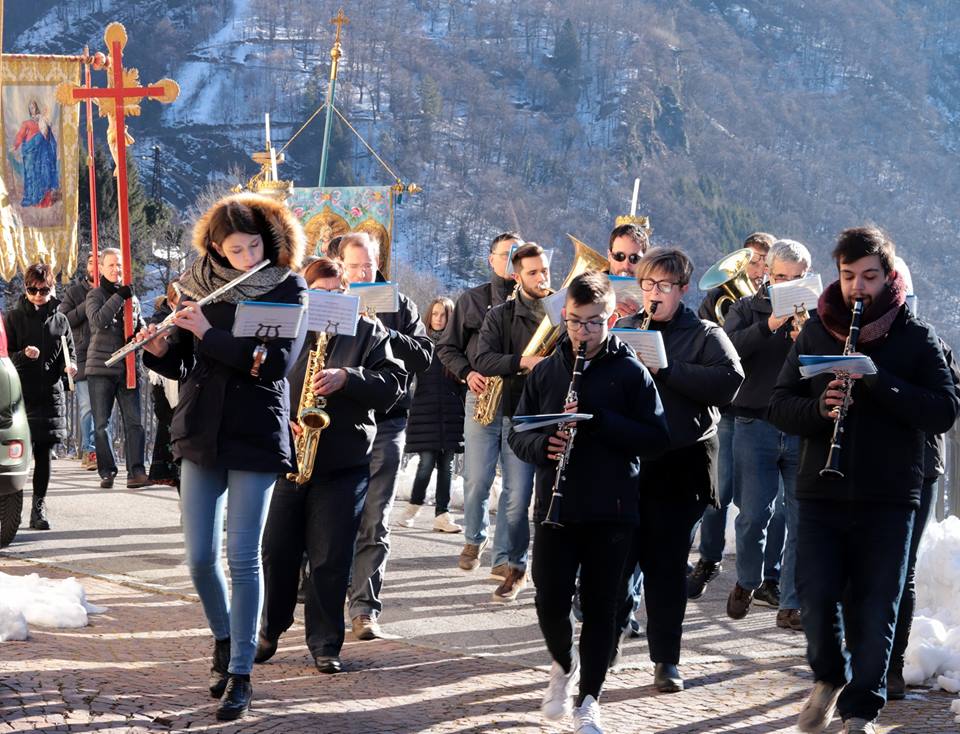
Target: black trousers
(321, 518)
(162, 465)
(41, 468)
(600, 551)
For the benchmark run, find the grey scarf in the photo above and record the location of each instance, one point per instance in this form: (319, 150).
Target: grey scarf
(206, 275)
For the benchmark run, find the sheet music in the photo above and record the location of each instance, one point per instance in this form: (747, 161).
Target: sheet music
(647, 344)
(381, 297)
(71, 386)
(335, 313)
(268, 320)
(850, 364)
(795, 293)
(553, 304)
(530, 422)
(626, 286)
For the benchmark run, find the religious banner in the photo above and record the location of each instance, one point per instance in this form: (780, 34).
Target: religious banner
(332, 211)
(40, 162)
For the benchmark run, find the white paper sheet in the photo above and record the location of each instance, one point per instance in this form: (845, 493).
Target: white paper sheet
(785, 297)
(647, 344)
(854, 364)
(553, 304)
(268, 320)
(335, 313)
(381, 297)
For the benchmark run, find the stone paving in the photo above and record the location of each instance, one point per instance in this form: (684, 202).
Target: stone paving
(460, 663)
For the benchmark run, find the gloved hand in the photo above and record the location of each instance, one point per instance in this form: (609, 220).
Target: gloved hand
(125, 291)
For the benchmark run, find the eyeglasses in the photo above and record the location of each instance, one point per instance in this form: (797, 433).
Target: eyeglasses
(664, 286)
(592, 326)
(33, 290)
(633, 258)
(359, 267)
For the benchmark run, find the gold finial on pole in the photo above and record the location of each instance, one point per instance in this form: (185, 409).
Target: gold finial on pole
(340, 21)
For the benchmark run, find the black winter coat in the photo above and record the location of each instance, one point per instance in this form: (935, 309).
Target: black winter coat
(226, 418)
(883, 440)
(104, 307)
(74, 306)
(410, 345)
(459, 344)
(41, 379)
(436, 416)
(628, 425)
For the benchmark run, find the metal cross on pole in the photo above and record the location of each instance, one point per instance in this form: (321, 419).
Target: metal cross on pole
(121, 97)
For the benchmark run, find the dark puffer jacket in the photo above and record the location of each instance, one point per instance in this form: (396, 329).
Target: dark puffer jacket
(436, 416)
(75, 309)
(41, 379)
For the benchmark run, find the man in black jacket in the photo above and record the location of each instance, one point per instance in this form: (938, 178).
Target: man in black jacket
(703, 372)
(104, 307)
(457, 349)
(506, 331)
(599, 509)
(765, 458)
(413, 348)
(73, 305)
(322, 516)
(854, 531)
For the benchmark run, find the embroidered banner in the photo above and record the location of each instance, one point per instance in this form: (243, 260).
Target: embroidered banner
(330, 212)
(40, 162)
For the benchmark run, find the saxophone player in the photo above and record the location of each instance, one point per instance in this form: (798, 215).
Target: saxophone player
(322, 516)
(599, 510)
(853, 532)
(703, 372)
(506, 331)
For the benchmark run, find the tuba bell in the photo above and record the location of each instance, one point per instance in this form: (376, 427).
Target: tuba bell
(730, 274)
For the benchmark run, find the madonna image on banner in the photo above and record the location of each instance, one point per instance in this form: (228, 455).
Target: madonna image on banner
(32, 131)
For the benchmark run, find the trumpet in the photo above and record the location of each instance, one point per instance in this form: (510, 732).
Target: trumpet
(832, 468)
(168, 323)
(556, 497)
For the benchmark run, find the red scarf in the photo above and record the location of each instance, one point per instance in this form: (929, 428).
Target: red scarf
(877, 318)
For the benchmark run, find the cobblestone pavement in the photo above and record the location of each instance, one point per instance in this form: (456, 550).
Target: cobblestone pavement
(460, 663)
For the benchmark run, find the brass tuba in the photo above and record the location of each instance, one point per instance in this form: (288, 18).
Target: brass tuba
(544, 339)
(730, 274)
(311, 416)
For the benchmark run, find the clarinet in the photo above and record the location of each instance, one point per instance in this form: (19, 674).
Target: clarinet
(832, 468)
(556, 498)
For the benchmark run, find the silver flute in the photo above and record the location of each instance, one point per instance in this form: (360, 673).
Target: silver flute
(167, 324)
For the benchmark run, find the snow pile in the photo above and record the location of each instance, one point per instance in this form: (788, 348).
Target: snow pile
(933, 655)
(45, 602)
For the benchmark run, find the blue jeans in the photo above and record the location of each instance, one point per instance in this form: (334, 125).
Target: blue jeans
(104, 389)
(202, 495)
(86, 417)
(482, 446)
(765, 459)
(851, 566)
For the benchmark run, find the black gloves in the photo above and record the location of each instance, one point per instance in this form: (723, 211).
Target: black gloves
(125, 291)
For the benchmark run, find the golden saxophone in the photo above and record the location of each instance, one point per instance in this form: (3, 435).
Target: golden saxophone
(311, 416)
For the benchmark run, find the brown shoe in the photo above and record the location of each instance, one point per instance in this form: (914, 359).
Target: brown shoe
(738, 603)
(91, 461)
(513, 584)
(470, 556)
(138, 480)
(789, 619)
(366, 627)
(500, 571)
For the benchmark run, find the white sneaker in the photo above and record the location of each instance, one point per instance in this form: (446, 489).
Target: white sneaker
(558, 698)
(408, 515)
(443, 524)
(586, 717)
(817, 712)
(858, 726)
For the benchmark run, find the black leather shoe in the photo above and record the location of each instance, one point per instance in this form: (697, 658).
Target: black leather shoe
(218, 667)
(236, 698)
(107, 481)
(667, 678)
(265, 649)
(896, 688)
(329, 664)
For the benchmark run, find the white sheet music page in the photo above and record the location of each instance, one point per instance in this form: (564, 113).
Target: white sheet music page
(647, 344)
(381, 297)
(785, 297)
(267, 320)
(553, 305)
(334, 313)
(626, 285)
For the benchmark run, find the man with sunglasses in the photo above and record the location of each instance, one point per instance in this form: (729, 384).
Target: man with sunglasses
(703, 372)
(628, 243)
(765, 458)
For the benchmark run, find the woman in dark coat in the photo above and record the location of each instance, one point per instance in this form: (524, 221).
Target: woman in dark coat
(163, 467)
(34, 331)
(231, 427)
(435, 428)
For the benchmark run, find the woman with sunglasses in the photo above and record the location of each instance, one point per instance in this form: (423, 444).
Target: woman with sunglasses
(703, 372)
(34, 337)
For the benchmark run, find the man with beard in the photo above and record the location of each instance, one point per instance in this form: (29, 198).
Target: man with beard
(854, 529)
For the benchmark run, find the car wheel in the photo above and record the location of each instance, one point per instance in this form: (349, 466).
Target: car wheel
(11, 507)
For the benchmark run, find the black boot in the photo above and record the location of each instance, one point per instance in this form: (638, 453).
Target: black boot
(896, 688)
(218, 668)
(236, 698)
(667, 678)
(38, 515)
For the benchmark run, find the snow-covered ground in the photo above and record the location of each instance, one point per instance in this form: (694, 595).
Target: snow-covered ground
(26, 600)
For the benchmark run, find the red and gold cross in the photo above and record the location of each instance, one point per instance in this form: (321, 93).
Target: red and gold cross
(120, 98)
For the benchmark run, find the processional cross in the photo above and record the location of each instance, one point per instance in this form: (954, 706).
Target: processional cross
(121, 97)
